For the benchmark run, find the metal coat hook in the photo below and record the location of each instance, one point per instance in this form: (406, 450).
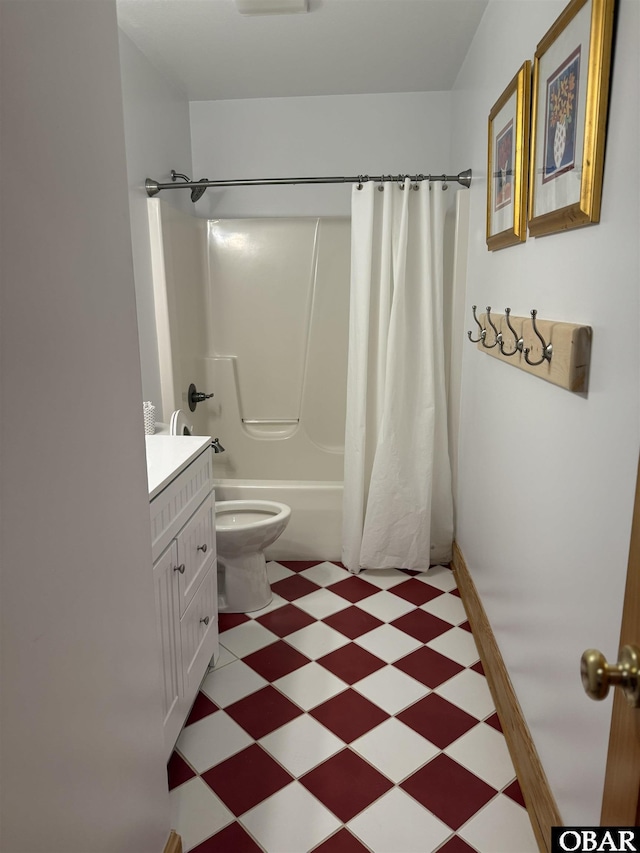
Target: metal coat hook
(547, 349)
(518, 342)
(495, 331)
(483, 332)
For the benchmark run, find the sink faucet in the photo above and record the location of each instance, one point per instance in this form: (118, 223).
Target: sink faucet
(217, 447)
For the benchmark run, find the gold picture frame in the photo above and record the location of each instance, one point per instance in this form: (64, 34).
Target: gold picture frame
(507, 167)
(571, 72)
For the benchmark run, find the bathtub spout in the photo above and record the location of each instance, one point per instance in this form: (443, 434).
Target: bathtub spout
(217, 447)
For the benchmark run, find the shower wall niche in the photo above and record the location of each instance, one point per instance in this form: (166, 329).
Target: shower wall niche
(256, 311)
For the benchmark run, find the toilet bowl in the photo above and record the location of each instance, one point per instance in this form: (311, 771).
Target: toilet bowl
(179, 424)
(243, 530)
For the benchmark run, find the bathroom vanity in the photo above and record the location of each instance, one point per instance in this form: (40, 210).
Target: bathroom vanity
(183, 540)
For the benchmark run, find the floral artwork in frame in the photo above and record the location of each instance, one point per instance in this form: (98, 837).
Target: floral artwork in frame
(571, 72)
(508, 162)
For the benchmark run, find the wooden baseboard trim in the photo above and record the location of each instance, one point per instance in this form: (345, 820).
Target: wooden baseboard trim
(541, 805)
(174, 843)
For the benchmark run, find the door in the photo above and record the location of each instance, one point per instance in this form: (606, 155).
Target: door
(620, 800)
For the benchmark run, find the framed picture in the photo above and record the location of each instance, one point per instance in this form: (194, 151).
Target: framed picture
(508, 163)
(570, 97)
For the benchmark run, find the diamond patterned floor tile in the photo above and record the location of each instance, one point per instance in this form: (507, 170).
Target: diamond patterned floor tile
(349, 715)
(246, 779)
(449, 791)
(346, 784)
(281, 755)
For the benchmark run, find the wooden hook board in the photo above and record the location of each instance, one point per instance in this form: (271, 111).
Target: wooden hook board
(569, 365)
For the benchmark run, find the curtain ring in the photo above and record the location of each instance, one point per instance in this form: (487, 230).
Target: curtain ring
(381, 187)
(360, 180)
(401, 181)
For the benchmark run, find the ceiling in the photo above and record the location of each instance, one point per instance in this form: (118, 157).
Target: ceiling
(211, 52)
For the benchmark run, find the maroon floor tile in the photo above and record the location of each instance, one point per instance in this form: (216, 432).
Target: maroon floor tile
(178, 771)
(226, 621)
(416, 592)
(456, 845)
(437, 720)
(276, 660)
(346, 784)
(246, 779)
(349, 715)
(428, 666)
(456, 592)
(285, 620)
(353, 622)
(263, 712)
(494, 720)
(477, 667)
(351, 663)
(411, 572)
(201, 708)
(341, 842)
(465, 626)
(515, 792)
(353, 589)
(294, 587)
(448, 790)
(231, 838)
(423, 626)
(299, 565)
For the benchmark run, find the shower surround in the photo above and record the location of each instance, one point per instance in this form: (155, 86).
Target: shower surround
(256, 311)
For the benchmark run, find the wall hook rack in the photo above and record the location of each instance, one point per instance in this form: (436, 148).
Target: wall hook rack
(557, 352)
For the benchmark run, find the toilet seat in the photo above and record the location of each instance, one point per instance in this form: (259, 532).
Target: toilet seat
(179, 424)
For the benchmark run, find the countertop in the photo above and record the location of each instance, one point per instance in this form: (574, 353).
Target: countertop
(167, 455)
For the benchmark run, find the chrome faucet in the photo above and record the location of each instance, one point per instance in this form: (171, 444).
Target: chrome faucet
(217, 447)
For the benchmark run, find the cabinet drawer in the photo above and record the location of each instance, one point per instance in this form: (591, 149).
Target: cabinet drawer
(196, 551)
(199, 633)
(173, 506)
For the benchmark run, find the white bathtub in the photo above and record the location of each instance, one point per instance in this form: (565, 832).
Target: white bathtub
(315, 529)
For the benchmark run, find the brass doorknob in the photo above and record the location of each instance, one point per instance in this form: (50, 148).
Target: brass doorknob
(598, 675)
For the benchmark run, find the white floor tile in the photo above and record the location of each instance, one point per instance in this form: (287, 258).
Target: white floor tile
(391, 689)
(384, 578)
(395, 749)
(196, 813)
(502, 826)
(325, 573)
(290, 821)
(276, 602)
(322, 603)
(211, 740)
(447, 607)
(301, 744)
(458, 645)
(396, 823)
(224, 657)
(276, 572)
(439, 576)
(388, 643)
(310, 685)
(385, 607)
(232, 682)
(247, 638)
(469, 691)
(316, 640)
(483, 751)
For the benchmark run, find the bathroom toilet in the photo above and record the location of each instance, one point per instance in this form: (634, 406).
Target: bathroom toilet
(179, 424)
(243, 530)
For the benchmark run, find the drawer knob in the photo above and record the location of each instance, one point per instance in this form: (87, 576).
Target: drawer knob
(179, 568)
(205, 620)
(202, 548)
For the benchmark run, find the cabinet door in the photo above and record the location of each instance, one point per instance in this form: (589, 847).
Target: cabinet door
(196, 551)
(199, 633)
(169, 638)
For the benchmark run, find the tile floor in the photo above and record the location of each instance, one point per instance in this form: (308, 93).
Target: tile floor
(351, 714)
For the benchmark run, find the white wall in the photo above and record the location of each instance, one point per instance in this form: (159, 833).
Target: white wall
(546, 477)
(158, 139)
(317, 136)
(81, 744)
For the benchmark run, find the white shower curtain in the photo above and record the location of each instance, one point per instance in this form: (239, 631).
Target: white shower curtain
(398, 508)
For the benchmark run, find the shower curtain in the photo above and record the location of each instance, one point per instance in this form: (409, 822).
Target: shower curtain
(398, 507)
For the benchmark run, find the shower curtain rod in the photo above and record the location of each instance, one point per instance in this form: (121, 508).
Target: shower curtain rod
(198, 187)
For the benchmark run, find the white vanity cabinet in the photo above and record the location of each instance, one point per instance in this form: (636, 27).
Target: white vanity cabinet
(184, 569)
